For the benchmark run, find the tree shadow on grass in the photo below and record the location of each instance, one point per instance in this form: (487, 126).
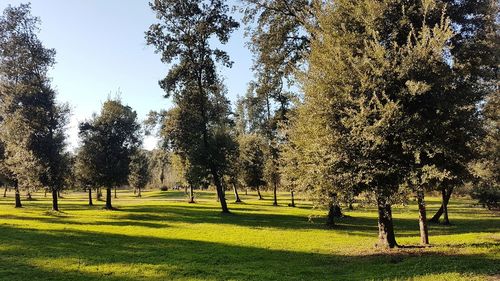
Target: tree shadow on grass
(84, 255)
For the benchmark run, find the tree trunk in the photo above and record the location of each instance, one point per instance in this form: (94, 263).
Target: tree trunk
(220, 191)
(5, 192)
(108, 199)
(246, 191)
(18, 197)
(422, 218)
(139, 193)
(115, 193)
(445, 195)
(98, 194)
(55, 206)
(29, 196)
(275, 196)
(236, 195)
(90, 197)
(386, 235)
(45, 192)
(191, 194)
(293, 199)
(258, 193)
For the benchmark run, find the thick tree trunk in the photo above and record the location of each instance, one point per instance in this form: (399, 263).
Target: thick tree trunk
(191, 194)
(445, 195)
(18, 198)
(90, 197)
(293, 199)
(108, 199)
(5, 192)
(275, 196)
(55, 205)
(220, 192)
(386, 235)
(258, 193)
(236, 195)
(422, 218)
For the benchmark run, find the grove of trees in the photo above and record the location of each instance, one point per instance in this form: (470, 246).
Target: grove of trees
(373, 101)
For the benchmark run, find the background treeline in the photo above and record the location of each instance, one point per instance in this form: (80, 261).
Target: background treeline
(352, 100)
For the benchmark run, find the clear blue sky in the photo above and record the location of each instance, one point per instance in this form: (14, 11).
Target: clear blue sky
(101, 49)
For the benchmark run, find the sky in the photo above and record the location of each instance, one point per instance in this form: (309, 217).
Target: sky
(101, 51)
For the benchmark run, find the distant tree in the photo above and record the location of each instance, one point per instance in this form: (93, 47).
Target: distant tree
(139, 175)
(85, 170)
(159, 165)
(108, 143)
(33, 124)
(252, 161)
(197, 126)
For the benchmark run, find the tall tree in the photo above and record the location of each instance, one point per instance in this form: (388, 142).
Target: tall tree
(252, 161)
(32, 125)
(108, 143)
(198, 125)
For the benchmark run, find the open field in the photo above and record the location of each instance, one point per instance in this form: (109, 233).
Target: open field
(160, 237)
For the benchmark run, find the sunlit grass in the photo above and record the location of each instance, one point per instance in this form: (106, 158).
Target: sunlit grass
(161, 237)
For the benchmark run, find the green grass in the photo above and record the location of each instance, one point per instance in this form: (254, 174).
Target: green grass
(160, 237)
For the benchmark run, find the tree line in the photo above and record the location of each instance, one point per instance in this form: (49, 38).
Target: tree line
(380, 100)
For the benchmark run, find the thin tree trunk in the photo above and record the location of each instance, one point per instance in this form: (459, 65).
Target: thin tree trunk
(445, 195)
(108, 199)
(258, 193)
(293, 199)
(236, 195)
(191, 194)
(386, 235)
(18, 197)
(55, 205)
(5, 192)
(422, 218)
(139, 193)
(275, 196)
(115, 193)
(45, 192)
(246, 191)
(90, 197)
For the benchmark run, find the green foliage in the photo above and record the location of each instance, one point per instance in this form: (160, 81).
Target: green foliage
(32, 125)
(108, 143)
(252, 160)
(139, 174)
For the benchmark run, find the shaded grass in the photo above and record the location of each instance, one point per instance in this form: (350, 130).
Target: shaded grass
(160, 237)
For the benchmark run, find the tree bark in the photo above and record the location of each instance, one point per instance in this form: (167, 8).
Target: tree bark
(90, 197)
(45, 192)
(55, 205)
(115, 193)
(191, 194)
(258, 193)
(386, 235)
(139, 193)
(18, 197)
(5, 191)
(275, 196)
(293, 199)
(220, 191)
(108, 199)
(422, 218)
(445, 195)
(236, 195)
(246, 191)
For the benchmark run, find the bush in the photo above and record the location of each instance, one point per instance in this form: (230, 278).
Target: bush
(487, 196)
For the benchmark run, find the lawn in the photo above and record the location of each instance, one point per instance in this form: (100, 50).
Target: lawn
(161, 237)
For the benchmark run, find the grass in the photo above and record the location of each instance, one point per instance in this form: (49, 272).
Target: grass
(161, 237)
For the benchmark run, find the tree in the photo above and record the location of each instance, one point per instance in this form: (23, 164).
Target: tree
(252, 161)
(108, 143)
(198, 125)
(139, 175)
(32, 125)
